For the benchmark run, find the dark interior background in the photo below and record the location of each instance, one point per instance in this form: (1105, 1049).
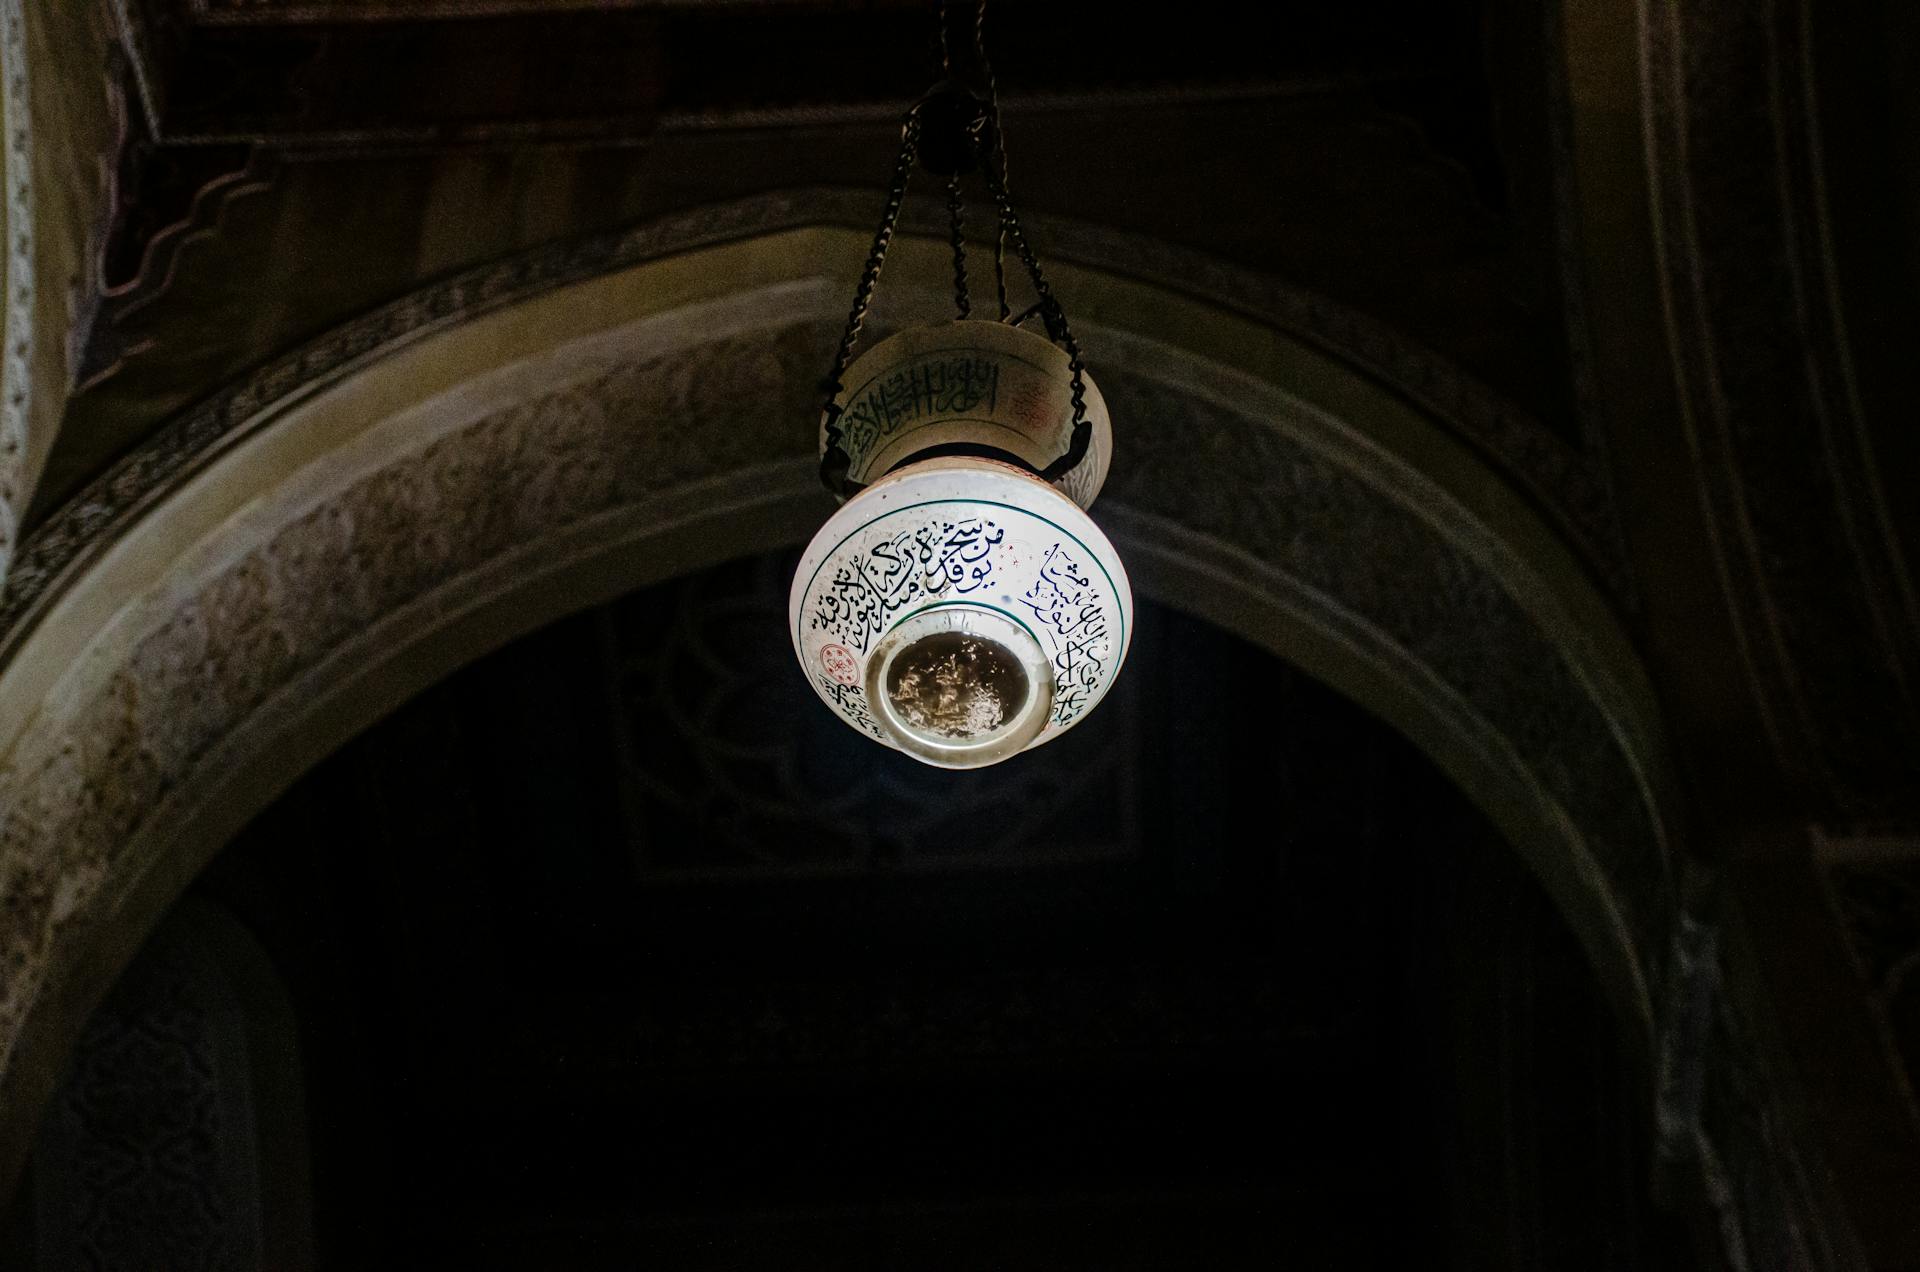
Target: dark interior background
(613, 944)
(616, 946)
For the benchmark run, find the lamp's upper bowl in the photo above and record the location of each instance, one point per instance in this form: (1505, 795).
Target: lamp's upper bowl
(980, 385)
(961, 610)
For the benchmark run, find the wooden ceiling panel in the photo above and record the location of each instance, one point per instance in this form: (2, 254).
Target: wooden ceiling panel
(381, 74)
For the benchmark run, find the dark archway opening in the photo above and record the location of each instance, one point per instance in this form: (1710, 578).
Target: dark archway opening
(614, 946)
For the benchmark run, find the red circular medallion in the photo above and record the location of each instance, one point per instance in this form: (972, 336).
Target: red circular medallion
(840, 663)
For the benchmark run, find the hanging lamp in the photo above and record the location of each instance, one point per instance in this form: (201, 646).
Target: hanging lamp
(961, 606)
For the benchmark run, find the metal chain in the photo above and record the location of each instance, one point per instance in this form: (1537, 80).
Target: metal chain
(1054, 316)
(999, 156)
(943, 53)
(957, 225)
(833, 463)
(1056, 320)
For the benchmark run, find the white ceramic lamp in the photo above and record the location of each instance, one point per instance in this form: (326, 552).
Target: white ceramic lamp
(959, 608)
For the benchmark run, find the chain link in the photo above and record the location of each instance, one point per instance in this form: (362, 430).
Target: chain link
(1054, 316)
(834, 462)
(957, 225)
(1056, 319)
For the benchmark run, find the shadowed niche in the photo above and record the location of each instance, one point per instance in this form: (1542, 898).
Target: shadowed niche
(617, 944)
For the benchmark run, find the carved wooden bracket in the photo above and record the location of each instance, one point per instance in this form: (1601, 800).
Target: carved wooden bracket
(160, 202)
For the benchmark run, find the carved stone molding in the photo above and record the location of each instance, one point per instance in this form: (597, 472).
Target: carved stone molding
(1564, 483)
(150, 1154)
(1826, 611)
(279, 615)
(1356, 561)
(477, 512)
(17, 326)
(268, 628)
(82, 526)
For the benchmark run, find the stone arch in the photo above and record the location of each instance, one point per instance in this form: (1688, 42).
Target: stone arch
(281, 566)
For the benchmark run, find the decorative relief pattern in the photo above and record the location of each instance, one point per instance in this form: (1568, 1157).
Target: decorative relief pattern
(324, 580)
(147, 1158)
(17, 325)
(69, 538)
(1522, 446)
(74, 796)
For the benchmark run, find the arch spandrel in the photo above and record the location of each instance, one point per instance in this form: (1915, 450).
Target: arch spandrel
(335, 542)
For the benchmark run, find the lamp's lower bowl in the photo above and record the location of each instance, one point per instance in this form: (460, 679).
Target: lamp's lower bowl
(961, 611)
(960, 686)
